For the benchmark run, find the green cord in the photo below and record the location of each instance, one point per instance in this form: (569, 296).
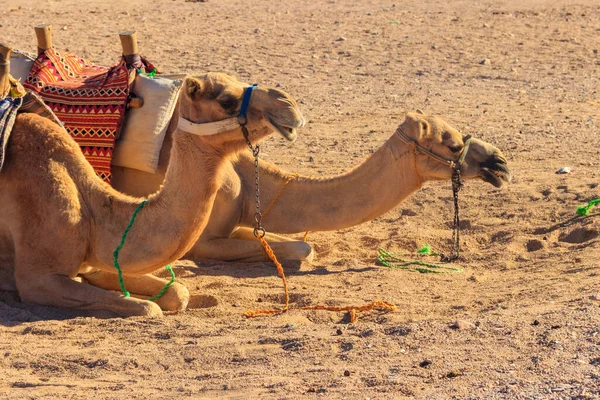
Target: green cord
(584, 210)
(387, 259)
(118, 267)
(168, 285)
(426, 251)
(148, 74)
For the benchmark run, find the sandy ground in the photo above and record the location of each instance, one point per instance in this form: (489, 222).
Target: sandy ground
(528, 302)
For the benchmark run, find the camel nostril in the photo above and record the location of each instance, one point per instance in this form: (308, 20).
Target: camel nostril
(456, 148)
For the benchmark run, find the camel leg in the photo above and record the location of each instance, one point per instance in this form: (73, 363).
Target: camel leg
(61, 291)
(175, 298)
(249, 250)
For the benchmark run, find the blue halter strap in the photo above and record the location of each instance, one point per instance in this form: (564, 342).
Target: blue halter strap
(245, 103)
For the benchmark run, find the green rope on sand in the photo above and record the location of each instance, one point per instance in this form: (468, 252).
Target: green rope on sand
(584, 210)
(118, 267)
(391, 259)
(426, 250)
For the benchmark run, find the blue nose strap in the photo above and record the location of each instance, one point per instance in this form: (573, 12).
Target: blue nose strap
(245, 104)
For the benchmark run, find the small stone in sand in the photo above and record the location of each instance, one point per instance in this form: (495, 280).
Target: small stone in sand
(462, 325)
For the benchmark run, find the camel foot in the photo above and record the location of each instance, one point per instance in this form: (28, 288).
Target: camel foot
(62, 291)
(176, 298)
(142, 287)
(148, 309)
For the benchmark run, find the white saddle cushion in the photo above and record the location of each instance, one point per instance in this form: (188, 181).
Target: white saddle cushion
(144, 128)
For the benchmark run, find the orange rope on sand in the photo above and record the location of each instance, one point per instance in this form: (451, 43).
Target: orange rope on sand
(256, 313)
(353, 310)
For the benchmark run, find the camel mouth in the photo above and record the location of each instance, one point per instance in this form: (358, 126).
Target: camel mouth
(497, 175)
(288, 132)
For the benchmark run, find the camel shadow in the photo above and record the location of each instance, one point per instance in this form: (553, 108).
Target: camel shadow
(14, 313)
(215, 268)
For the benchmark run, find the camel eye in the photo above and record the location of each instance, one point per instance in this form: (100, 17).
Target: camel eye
(228, 103)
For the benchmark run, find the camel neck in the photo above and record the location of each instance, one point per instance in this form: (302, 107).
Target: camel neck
(373, 188)
(174, 217)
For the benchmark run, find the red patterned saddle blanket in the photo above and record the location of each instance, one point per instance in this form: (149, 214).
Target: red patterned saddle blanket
(89, 100)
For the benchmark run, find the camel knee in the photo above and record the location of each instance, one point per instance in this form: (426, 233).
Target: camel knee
(176, 298)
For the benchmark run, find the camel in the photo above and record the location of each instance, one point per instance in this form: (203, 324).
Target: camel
(385, 179)
(312, 204)
(61, 221)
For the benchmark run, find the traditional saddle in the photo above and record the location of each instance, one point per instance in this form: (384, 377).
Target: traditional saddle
(90, 101)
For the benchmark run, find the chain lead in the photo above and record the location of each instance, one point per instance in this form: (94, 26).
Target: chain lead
(456, 186)
(259, 231)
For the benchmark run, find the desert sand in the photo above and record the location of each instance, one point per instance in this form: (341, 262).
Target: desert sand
(521, 321)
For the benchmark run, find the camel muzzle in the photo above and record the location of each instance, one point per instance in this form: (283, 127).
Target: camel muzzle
(495, 171)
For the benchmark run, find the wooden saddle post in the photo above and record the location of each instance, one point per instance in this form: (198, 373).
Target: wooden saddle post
(131, 53)
(4, 70)
(43, 33)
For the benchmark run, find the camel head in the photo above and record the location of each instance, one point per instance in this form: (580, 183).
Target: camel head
(218, 97)
(482, 160)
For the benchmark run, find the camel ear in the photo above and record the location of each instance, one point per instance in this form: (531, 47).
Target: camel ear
(192, 88)
(420, 112)
(418, 124)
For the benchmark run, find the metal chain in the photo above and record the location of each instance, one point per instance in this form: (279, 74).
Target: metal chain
(456, 186)
(259, 231)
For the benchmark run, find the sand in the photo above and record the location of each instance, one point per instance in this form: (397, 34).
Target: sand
(528, 303)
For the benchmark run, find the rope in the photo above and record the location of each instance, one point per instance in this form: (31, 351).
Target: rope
(353, 310)
(269, 251)
(584, 210)
(288, 180)
(118, 267)
(168, 285)
(150, 74)
(305, 236)
(388, 259)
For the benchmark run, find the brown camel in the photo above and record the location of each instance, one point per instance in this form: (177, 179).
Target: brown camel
(59, 220)
(314, 204)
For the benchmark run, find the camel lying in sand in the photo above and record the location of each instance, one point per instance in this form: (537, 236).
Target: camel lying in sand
(380, 183)
(63, 221)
